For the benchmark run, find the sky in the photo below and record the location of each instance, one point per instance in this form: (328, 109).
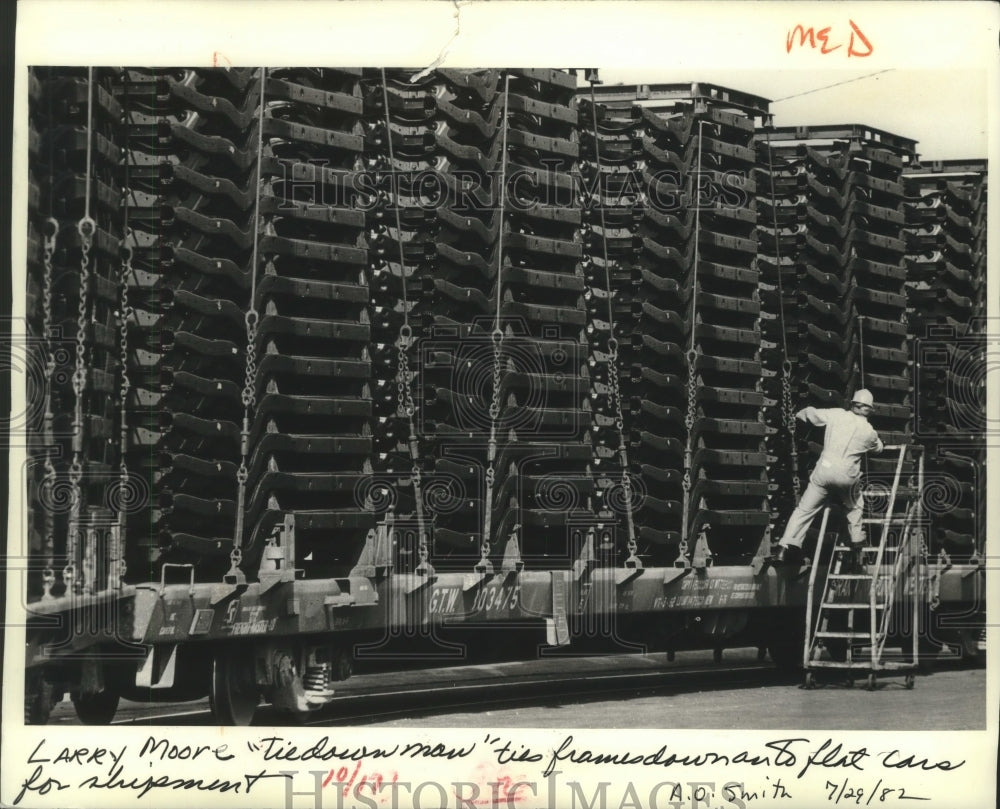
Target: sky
(945, 110)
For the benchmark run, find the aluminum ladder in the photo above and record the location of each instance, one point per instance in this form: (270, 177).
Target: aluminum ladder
(871, 591)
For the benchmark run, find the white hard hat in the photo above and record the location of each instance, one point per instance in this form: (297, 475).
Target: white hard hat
(864, 397)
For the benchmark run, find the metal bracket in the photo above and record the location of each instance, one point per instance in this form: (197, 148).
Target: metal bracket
(512, 561)
(417, 581)
(632, 570)
(474, 581)
(701, 558)
(223, 592)
(277, 564)
(557, 627)
(623, 575)
(672, 574)
(375, 561)
(163, 577)
(153, 676)
(977, 563)
(587, 560)
(759, 563)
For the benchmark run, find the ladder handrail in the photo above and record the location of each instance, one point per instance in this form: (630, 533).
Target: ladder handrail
(892, 584)
(873, 591)
(878, 629)
(810, 639)
(915, 561)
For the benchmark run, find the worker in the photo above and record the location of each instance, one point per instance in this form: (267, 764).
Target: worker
(837, 476)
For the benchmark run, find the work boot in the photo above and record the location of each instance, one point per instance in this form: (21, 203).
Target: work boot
(785, 555)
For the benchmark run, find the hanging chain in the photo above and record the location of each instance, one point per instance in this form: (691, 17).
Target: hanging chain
(251, 320)
(861, 366)
(861, 348)
(691, 357)
(48, 481)
(86, 228)
(496, 337)
(126, 313)
(787, 404)
(616, 397)
(404, 377)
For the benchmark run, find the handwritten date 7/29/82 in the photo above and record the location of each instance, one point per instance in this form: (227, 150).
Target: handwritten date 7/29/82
(827, 40)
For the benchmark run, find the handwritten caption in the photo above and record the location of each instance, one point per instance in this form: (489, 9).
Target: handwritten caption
(795, 769)
(828, 40)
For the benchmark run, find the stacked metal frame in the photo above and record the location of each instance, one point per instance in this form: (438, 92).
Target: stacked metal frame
(946, 296)
(691, 369)
(544, 483)
(475, 305)
(310, 434)
(838, 204)
(782, 209)
(250, 298)
(74, 341)
(189, 218)
(491, 223)
(612, 162)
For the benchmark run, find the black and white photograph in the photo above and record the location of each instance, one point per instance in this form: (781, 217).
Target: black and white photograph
(371, 420)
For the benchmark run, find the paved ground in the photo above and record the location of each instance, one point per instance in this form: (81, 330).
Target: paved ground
(944, 700)
(735, 694)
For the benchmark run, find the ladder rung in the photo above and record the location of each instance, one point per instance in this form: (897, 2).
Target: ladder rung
(852, 576)
(865, 635)
(864, 548)
(880, 666)
(900, 520)
(849, 605)
(902, 491)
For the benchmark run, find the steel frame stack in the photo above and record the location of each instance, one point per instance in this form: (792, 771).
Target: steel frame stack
(838, 202)
(189, 216)
(612, 162)
(946, 297)
(73, 324)
(781, 208)
(694, 387)
(532, 312)
(313, 232)
(442, 128)
(544, 478)
(317, 299)
(311, 428)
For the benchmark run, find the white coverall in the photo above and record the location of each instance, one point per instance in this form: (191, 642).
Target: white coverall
(838, 472)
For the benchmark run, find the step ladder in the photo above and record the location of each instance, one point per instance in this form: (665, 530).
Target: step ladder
(871, 590)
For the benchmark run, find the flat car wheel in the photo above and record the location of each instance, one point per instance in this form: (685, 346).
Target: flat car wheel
(234, 696)
(96, 709)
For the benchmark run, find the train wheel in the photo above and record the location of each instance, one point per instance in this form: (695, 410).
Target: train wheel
(234, 696)
(96, 708)
(969, 644)
(38, 701)
(786, 637)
